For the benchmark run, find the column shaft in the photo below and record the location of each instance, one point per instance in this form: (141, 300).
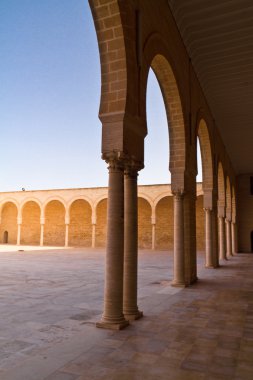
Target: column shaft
(66, 235)
(233, 238)
(179, 270)
(130, 307)
(41, 235)
(19, 234)
(113, 317)
(228, 238)
(209, 238)
(93, 239)
(222, 240)
(153, 236)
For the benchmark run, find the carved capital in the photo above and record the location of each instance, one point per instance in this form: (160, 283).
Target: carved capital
(121, 161)
(178, 194)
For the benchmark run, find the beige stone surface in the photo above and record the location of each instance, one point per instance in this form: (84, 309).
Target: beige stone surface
(52, 298)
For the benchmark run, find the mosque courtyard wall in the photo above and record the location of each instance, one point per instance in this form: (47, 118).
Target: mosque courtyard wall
(77, 217)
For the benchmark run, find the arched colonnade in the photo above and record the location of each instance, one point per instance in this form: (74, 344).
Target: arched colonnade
(133, 38)
(77, 220)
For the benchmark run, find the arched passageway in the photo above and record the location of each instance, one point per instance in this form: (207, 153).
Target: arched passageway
(164, 224)
(209, 202)
(8, 226)
(80, 229)
(30, 228)
(101, 223)
(54, 230)
(144, 224)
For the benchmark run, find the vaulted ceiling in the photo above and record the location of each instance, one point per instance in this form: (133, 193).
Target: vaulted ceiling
(218, 35)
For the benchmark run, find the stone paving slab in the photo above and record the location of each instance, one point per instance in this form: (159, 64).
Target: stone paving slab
(51, 299)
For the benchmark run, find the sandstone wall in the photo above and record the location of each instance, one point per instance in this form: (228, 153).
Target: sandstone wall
(101, 223)
(9, 223)
(30, 228)
(80, 224)
(54, 230)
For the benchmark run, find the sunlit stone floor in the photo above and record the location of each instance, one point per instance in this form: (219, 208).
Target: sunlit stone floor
(50, 300)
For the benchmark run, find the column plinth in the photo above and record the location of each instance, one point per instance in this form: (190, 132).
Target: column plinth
(130, 307)
(113, 317)
(179, 270)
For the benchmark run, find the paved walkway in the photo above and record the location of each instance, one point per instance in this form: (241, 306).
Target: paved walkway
(50, 300)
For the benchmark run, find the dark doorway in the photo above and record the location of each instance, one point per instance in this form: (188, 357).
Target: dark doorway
(5, 237)
(252, 241)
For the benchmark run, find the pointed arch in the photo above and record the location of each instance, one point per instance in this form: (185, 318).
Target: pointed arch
(176, 130)
(206, 155)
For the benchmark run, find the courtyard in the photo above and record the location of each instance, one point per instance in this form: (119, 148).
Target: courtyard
(51, 299)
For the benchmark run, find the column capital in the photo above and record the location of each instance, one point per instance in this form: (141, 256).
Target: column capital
(178, 194)
(120, 161)
(42, 220)
(19, 220)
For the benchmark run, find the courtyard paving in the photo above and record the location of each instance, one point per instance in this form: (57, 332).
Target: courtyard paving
(50, 300)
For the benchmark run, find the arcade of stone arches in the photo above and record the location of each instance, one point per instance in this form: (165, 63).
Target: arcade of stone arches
(78, 218)
(132, 39)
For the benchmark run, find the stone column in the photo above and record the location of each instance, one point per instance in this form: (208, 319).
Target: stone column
(130, 307)
(179, 264)
(153, 223)
(93, 238)
(113, 317)
(66, 235)
(42, 223)
(234, 238)
(222, 240)
(93, 233)
(228, 238)
(19, 223)
(209, 238)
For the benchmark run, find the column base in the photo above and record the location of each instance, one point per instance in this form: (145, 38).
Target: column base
(134, 317)
(178, 284)
(112, 326)
(210, 267)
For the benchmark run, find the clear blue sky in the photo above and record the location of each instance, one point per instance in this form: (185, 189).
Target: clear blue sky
(49, 100)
